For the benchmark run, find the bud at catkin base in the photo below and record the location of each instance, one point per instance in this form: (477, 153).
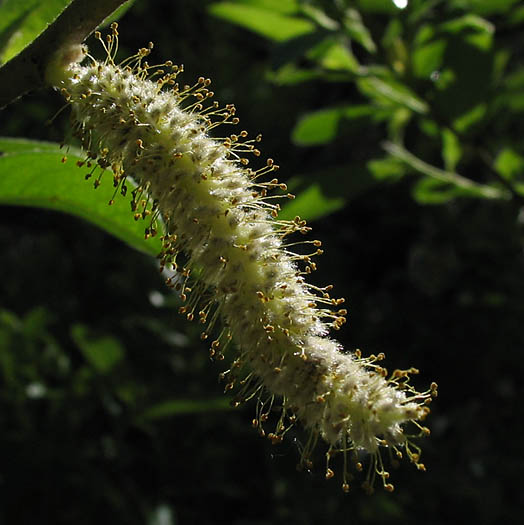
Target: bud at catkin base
(232, 254)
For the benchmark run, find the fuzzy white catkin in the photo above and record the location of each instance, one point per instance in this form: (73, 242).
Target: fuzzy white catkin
(135, 121)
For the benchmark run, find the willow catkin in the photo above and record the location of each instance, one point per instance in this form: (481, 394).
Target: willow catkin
(236, 270)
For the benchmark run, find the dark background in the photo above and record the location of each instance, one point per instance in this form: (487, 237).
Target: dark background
(437, 287)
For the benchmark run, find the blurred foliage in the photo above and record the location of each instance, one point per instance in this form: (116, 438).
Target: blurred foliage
(431, 77)
(110, 408)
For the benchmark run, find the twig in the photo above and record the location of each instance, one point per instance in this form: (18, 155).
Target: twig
(25, 72)
(450, 177)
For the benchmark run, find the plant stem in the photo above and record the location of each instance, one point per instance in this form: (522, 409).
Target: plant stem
(399, 152)
(25, 72)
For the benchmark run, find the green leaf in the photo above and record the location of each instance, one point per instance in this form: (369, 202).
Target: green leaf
(357, 31)
(320, 17)
(21, 22)
(429, 190)
(387, 168)
(102, 353)
(509, 164)
(420, 10)
(32, 174)
(267, 23)
(470, 118)
(290, 74)
(12, 17)
(117, 14)
(311, 204)
(397, 123)
(451, 149)
(432, 191)
(177, 407)
(429, 127)
(317, 128)
(427, 54)
(333, 54)
(332, 188)
(321, 127)
(464, 81)
(390, 92)
(474, 30)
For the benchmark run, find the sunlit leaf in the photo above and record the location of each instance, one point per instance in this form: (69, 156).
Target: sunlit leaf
(321, 127)
(311, 204)
(30, 18)
(317, 128)
(321, 193)
(32, 174)
(12, 17)
(289, 74)
(268, 23)
(391, 92)
(334, 54)
(433, 191)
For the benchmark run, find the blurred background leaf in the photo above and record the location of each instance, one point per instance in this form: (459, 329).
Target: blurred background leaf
(263, 19)
(101, 353)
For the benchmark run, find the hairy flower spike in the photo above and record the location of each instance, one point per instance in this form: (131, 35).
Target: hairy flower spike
(220, 223)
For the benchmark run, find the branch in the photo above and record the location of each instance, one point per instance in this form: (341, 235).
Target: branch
(397, 151)
(25, 72)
